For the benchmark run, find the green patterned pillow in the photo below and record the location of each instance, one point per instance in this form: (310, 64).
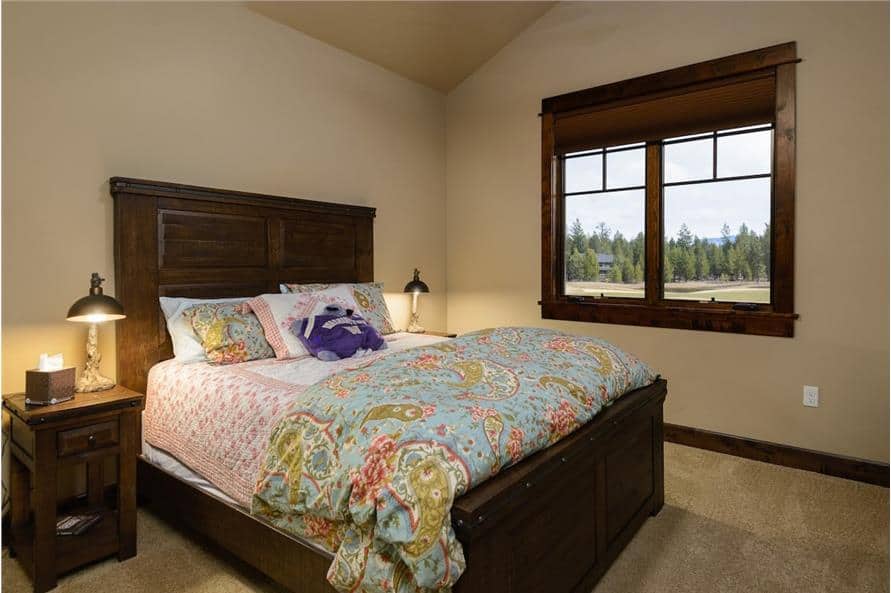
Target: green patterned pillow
(369, 296)
(228, 333)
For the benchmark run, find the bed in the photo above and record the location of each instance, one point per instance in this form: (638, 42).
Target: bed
(553, 521)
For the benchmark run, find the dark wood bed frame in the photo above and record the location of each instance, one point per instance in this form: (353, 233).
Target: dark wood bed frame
(552, 523)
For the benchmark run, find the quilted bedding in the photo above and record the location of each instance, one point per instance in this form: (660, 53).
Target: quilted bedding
(368, 461)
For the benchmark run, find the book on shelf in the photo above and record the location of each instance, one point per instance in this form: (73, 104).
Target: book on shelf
(77, 524)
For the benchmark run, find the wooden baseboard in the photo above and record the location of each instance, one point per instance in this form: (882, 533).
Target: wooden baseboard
(850, 468)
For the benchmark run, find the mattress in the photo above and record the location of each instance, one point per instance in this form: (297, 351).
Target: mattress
(174, 467)
(209, 425)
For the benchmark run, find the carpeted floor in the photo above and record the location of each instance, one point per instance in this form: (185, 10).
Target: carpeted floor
(729, 525)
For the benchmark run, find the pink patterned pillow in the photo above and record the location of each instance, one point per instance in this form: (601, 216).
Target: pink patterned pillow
(277, 312)
(369, 296)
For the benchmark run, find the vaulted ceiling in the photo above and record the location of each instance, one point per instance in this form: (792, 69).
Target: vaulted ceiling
(434, 43)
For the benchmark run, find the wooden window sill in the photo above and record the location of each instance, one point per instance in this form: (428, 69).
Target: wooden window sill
(706, 318)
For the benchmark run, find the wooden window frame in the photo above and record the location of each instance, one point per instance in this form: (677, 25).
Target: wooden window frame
(774, 319)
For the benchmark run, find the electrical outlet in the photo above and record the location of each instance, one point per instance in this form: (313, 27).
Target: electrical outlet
(811, 396)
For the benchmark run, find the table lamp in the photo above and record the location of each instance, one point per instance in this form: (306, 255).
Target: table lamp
(415, 287)
(94, 308)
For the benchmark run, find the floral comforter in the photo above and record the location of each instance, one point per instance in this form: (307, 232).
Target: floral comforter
(368, 461)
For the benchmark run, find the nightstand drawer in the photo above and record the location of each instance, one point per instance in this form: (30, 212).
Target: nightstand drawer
(87, 438)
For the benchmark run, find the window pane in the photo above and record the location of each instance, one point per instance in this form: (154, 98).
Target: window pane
(744, 154)
(625, 168)
(717, 241)
(605, 244)
(584, 173)
(688, 161)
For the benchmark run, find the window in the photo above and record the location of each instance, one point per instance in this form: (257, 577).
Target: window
(604, 196)
(668, 199)
(716, 216)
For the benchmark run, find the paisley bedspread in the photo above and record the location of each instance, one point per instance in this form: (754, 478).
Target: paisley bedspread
(368, 461)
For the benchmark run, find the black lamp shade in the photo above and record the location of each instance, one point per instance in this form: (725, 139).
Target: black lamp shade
(416, 285)
(96, 307)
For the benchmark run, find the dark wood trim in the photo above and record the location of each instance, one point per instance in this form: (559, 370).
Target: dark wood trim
(734, 65)
(759, 323)
(723, 103)
(550, 265)
(774, 319)
(154, 189)
(840, 466)
(653, 223)
(783, 200)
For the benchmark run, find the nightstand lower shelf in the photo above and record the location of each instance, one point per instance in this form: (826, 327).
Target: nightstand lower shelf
(72, 551)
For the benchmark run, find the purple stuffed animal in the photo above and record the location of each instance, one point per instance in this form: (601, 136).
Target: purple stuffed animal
(337, 333)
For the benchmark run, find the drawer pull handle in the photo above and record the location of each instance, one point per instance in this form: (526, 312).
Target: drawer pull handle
(91, 440)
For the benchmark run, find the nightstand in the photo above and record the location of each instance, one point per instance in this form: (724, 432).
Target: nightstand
(82, 432)
(440, 334)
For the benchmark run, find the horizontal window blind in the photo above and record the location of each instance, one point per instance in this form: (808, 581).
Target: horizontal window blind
(742, 101)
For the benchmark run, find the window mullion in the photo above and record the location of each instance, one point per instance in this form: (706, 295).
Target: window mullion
(558, 189)
(653, 234)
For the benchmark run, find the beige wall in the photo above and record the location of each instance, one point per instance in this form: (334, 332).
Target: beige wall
(744, 385)
(209, 94)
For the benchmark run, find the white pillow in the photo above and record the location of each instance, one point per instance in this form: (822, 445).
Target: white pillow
(277, 312)
(187, 345)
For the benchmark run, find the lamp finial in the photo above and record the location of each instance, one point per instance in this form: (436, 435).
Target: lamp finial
(96, 283)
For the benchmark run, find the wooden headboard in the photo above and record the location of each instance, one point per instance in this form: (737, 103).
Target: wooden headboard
(182, 240)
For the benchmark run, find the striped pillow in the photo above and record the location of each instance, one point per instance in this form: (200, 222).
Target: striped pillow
(278, 312)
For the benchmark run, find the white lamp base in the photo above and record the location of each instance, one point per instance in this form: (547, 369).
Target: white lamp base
(90, 378)
(413, 326)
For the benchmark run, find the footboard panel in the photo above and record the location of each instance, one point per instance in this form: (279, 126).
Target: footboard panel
(557, 522)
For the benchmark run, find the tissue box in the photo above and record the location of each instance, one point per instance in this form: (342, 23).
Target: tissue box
(43, 388)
